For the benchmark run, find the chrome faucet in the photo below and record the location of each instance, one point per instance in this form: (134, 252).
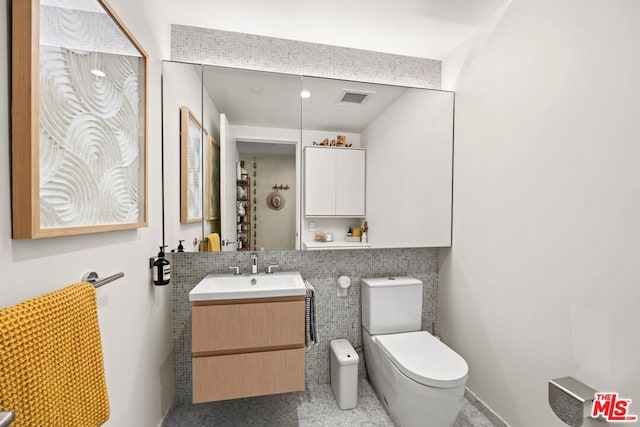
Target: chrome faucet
(236, 270)
(254, 263)
(271, 267)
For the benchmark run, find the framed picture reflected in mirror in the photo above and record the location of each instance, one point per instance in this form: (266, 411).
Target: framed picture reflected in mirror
(192, 136)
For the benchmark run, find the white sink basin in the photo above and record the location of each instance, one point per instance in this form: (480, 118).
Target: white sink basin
(227, 286)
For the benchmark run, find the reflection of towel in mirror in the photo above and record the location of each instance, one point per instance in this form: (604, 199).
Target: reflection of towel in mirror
(311, 329)
(212, 243)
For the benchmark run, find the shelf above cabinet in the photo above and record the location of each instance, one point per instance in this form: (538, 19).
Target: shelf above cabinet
(315, 246)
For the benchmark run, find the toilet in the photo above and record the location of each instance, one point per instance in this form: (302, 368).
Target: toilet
(419, 380)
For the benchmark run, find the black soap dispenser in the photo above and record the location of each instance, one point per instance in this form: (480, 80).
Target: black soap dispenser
(161, 269)
(180, 247)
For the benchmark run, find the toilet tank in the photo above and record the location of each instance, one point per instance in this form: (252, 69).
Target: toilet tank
(391, 305)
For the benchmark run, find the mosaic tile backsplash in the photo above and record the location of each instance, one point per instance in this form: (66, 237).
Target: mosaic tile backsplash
(239, 50)
(337, 317)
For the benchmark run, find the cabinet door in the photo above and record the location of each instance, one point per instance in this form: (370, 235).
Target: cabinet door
(319, 181)
(409, 181)
(225, 327)
(350, 182)
(247, 374)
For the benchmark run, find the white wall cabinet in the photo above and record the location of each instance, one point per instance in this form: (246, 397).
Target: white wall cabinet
(334, 182)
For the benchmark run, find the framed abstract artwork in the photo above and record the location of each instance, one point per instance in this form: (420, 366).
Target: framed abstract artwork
(79, 120)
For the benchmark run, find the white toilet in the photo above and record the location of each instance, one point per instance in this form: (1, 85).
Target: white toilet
(419, 380)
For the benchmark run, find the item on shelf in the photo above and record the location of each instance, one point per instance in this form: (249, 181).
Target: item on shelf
(243, 175)
(324, 236)
(241, 192)
(352, 239)
(357, 232)
(365, 229)
(244, 207)
(340, 141)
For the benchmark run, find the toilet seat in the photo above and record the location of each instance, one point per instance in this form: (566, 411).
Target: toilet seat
(424, 359)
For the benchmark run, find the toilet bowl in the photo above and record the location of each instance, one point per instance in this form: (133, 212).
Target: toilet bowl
(419, 380)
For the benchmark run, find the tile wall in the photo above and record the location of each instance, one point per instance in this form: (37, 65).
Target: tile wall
(238, 50)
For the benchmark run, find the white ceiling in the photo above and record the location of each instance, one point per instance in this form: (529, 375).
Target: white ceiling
(324, 112)
(234, 93)
(422, 28)
(254, 98)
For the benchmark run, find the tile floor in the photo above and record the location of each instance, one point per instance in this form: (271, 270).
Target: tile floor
(315, 406)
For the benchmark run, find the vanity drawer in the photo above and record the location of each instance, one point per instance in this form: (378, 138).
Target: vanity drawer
(230, 328)
(249, 374)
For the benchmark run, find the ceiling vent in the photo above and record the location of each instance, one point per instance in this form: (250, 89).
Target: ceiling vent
(353, 97)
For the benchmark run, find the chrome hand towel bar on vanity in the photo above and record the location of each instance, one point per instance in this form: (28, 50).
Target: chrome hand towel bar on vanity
(92, 277)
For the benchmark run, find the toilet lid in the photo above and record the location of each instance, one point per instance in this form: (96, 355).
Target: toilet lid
(425, 359)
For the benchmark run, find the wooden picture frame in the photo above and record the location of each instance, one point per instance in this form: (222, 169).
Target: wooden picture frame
(55, 190)
(192, 134)
(212, 184)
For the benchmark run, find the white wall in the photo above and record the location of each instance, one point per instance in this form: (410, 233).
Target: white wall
(135, 316)
(182, 86)
(460, 58)
(543, 279)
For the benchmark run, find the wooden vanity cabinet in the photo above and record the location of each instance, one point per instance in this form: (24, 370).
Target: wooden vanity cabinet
(245, 348)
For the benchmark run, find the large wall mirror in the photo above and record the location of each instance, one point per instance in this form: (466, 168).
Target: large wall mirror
(298, 160)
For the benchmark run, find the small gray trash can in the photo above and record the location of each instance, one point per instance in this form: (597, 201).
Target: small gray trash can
(344, 373)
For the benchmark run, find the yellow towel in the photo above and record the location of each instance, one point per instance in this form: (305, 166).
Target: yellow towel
(212, 243)
(51, 369)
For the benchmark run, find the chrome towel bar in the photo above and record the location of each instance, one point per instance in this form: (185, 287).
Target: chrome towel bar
(6, 418)
(92, 277)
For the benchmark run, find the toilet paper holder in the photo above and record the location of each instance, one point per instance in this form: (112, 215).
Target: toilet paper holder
(571, 400)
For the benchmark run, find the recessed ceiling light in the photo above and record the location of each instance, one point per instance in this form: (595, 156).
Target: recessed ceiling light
(256, 89)
(305, 94)
(98, 73)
